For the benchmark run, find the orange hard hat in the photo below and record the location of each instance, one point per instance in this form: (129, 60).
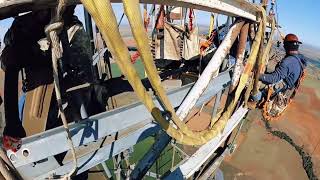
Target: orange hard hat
(291, 38)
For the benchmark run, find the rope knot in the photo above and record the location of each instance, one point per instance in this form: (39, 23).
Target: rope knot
(55, 26)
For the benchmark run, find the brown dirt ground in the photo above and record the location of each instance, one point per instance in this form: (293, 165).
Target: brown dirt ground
(301, 121)
(258, 152)
(199, 119)
(260, 155)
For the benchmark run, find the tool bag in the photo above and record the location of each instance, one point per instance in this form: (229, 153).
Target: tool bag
(168, 45)
(191, 46)
(175, 42)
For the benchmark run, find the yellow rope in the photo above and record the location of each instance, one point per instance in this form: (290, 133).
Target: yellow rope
(211, 26)
(262, 60)
(102, 13)
(247, 71)
(131, 8)
(255, 84)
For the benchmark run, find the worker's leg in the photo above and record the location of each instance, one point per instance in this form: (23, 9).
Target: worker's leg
(261, 94)
(13, 126)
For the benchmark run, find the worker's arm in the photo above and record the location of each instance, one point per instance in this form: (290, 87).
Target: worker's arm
(280, 73)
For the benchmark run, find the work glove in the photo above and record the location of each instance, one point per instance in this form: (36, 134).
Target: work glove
(16, 130)
(12, 136)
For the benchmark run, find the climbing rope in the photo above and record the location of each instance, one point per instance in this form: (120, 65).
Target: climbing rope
(266, 106)
(146, 22)
(102, 13)
(104, 17)
(261, 64)
(211, 26)
(191, 14)
(121, 18)
(261, 60)
(52, 31)
(152, 73)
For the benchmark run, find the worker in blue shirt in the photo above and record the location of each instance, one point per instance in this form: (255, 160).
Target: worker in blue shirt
(288, 71)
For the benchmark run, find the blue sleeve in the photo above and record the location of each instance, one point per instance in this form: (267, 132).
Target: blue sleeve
(274, 77)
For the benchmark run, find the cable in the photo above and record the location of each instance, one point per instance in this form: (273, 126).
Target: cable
(120, 19)
(52, 30)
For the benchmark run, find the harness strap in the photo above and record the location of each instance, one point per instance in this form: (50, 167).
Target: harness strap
(300, 79)
(268, 102)
(302, 66)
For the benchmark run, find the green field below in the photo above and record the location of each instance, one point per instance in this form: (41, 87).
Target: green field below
(162, 165)
(138, 66)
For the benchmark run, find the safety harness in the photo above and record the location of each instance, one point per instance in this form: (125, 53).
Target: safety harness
(274, 106)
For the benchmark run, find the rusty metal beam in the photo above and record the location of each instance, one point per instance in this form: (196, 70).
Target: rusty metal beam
(211, 70)
(240, 56)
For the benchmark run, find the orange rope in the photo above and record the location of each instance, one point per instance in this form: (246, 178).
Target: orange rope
(204, 45)
(266, 105)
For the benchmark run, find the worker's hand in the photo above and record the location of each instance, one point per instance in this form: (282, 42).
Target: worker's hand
(14, 130)
(262, 77)
(12, 135)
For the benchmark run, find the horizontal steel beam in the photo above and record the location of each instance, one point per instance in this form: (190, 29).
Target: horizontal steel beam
(211, 70)
(236, 8)
(97, 157)
(193, 164)
(92, 159)
(239, 8)
(41, 146)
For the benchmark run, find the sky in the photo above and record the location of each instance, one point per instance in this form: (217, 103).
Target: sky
(301, 18)
(295, 16)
